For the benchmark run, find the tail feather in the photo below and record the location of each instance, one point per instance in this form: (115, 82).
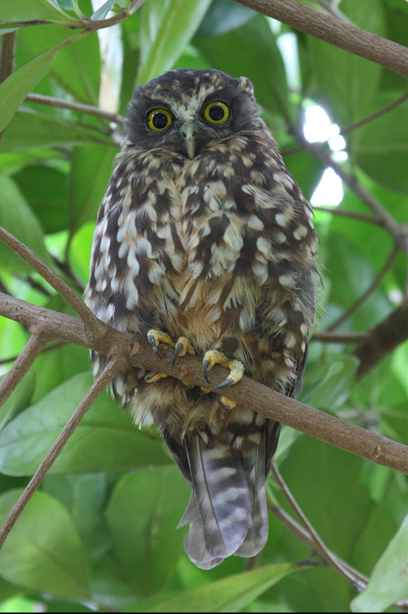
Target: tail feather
(222, 496)
(255, 459)
(195, 547)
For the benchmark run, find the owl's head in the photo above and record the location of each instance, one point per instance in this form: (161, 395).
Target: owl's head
(186, 111)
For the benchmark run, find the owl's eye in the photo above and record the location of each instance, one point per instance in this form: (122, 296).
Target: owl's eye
(217, 112)
(158, 119)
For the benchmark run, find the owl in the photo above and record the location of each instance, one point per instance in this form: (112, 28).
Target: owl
(204, 242)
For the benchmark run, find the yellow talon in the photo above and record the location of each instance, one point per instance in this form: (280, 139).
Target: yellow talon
(183, 346)
(157, 336)
(150, 378)
(236, 367)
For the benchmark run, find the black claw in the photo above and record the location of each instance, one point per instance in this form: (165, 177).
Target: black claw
(221, 404)
(152, 342)
(225, 383)
(149, 377)
(177, 351)
(206, 364)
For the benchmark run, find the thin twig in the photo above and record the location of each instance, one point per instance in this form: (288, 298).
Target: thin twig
(114, 365)
(247, 392)
(397, 231)
(374, 115)
(25, 359)
(375, 283)
(318, 544)
(74, 106)
(56, 282)
(329, 337)
(350, 214)
(49, 348)
(89, 24)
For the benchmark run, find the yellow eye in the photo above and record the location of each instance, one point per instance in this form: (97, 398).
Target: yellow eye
(158, 119)
(217, 112)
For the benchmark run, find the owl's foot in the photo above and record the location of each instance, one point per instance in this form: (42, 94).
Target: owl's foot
(183, 346)
(236, 368)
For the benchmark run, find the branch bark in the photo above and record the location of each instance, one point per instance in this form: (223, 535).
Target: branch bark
(335, 31)
(383, 339)
(114, 365)
(137, 352)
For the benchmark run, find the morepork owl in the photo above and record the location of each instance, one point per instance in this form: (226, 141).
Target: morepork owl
(205, 242)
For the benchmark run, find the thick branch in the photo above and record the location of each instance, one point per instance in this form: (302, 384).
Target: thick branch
(335, 31)
(383, 339)
(114, 365)
(251, 394)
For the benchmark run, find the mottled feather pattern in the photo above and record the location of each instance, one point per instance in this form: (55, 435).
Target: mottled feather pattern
(219, 248)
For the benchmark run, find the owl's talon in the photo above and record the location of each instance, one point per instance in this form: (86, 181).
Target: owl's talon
(150, 378)
(206, 364)
(182, 347)
(225, 402)
(225, 383)
(235, 366)
(155, 337)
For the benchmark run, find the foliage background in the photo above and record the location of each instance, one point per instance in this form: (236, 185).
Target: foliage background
(100, 534)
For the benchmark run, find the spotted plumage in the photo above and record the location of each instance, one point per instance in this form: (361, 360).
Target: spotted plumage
(204, 234)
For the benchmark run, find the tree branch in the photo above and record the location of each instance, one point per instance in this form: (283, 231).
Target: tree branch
(137, 352)
(56, 282)
(316, 542)
(114, 365)
(383, 339)
(335, 31)
(329, 337)
(350, 214)
(74, 106)
(375, 283)
(25, 359)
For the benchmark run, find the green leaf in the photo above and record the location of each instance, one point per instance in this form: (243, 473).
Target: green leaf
(45, 190)
(223, 16)
(105, 440)
(15, 88)
(165, 29)
(27, 10)
(18, 400)
(43, 551)
(77, 67)
(389, 580)
(91, 169)
(381, 147)
(17, 217)
(231, 594)
(143, 514)
(335, 382)
(346, 81)
(29, 129)
(234, 53)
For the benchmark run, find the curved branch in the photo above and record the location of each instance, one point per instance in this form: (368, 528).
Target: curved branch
(335, 31)
(74, 106)
(383, 339)
(137, 352)
(114, 365)
(56, 282)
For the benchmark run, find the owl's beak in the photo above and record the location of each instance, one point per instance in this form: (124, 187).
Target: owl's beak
(188, 131)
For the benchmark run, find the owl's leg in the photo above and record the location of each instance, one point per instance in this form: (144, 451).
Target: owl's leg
(182, 346)
(213, 357)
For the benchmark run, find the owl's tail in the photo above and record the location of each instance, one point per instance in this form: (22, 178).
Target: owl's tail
(227, 510)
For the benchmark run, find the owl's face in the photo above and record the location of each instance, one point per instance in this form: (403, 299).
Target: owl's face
(186, 111)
